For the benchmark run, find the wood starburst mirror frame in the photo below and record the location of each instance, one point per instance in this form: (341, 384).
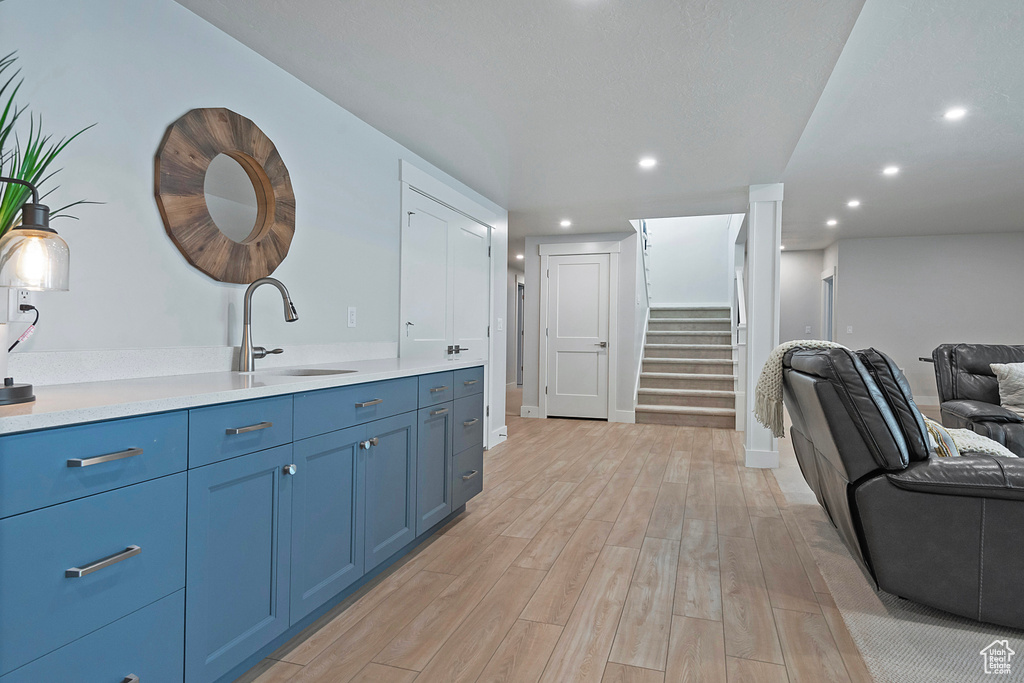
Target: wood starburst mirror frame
(184, 156)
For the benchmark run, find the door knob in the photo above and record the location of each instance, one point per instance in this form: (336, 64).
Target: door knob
(289, 469)
(603, 345)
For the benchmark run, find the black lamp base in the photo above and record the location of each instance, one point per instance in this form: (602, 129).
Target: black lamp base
(11, 393)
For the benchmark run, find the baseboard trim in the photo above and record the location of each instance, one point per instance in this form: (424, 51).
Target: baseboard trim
(626, 416)
(761, 459)
(529, 411)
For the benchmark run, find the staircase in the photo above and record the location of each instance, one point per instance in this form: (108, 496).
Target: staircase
(688, 374)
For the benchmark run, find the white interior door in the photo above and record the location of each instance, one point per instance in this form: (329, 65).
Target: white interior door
(445, 281)
(469, 243)
(425, 295)
(577, 335)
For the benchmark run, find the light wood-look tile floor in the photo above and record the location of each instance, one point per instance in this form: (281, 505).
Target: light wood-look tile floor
(597, 552)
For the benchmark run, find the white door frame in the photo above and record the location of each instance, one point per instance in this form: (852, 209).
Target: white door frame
(574, 249)
(825, 275)
(417, 180)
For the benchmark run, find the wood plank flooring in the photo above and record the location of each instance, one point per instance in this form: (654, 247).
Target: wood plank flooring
(597, 552)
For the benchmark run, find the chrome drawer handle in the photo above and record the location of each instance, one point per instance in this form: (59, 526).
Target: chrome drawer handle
(250, 428)
(131, 678)
(470, 382)
(442, 411)
(366, 404)
(471, 422)
(467, 477)
(109, 457)
(436, 389)
(78, 572)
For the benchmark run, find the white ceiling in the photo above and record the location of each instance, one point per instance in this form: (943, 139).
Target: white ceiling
(545, 106)
(904, 65)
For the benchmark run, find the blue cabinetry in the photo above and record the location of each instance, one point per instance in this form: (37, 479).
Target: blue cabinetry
(180, 546)
(388, 482)
(327, 520)
(239, 534)
(433, 465)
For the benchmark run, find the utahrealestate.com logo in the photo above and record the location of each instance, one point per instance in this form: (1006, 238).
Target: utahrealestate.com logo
(997, 657)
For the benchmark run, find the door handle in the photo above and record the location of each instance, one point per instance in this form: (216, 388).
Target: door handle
(472, 422)
(78, 572)
(467, 477)
(131, 678)
(440, 411)
(603, 345)
(365, 445)
(289, 469)
(250, 428)
(109, 457)
(436, 389)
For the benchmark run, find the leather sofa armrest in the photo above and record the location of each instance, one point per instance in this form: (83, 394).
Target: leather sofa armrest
(979, 411)
(976, 476)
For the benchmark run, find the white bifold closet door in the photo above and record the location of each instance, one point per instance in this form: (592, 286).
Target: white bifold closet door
(445, 281)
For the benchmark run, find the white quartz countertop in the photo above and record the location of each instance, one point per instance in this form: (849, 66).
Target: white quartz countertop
(65, 404)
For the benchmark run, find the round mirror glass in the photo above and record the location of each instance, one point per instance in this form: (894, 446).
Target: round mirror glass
(231, 198)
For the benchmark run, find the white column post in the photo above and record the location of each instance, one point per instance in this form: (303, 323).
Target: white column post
(764, 238)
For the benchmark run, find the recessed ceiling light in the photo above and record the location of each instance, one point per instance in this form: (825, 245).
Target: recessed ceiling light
(648, 162)
(519, 256)
(566, 223)
(831, 222)
(891, 170)
(955, 114)
(853, 203)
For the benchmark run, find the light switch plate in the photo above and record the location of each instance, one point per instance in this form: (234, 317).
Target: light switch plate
(501, 324)
(351, 316)
(849, 329)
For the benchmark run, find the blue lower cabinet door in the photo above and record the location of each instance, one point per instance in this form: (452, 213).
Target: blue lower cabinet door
(327, 539)
(433, 466)
(387, 467)
(239, 542)
(145, 644)
(72, 568)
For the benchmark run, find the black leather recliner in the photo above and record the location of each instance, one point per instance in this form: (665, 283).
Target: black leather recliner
(969, 391)
(944, 532)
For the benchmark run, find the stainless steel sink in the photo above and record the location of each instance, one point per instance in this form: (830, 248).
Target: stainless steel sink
(307, 372)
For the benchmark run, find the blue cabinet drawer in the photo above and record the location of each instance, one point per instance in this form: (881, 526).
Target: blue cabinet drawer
(467, 475)
(44, 468)
(327, 410)
(225, 431)
(436, 388)
(468, 429)
(147, 644)
(469, 381)
(128, 544)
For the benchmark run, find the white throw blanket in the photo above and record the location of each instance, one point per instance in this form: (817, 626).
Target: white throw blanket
(768, 393)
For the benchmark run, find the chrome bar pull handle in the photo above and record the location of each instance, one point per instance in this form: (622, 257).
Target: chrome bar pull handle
(472, 422)
(470, 382)
(131, 678)
(440, 411)
(109, 457)
(78, 572)
(367, 404)
(467, 477)
(436, 389)
(251, 428)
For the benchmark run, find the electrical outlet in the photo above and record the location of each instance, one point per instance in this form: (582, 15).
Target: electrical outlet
(15, 298)
(501, 324)
(807, 329)
(849, 329)
(351, 316)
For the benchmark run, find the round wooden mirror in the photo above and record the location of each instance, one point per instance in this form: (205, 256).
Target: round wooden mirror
(198, 177)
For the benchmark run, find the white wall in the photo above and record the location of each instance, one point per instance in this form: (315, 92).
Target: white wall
(907, 295)
(134, 68)
(690, 261)
(625, 355)
(514, 276)
(800, 295)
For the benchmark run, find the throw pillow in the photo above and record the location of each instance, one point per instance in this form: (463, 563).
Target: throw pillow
(1011, 385)
(942, 445)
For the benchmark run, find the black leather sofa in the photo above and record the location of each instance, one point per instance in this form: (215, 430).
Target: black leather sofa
(969, 391)
(944, 532)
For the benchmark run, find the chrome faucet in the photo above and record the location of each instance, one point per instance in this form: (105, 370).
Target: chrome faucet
(249, 353)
